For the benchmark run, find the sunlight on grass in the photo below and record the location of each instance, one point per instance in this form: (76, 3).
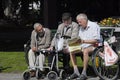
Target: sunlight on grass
(12, 61)
(15, 62)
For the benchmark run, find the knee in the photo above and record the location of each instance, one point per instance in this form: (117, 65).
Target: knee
(41, 55)
(30, 53)
(85, 53)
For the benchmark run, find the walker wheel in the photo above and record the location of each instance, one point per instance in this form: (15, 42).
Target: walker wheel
(62, 74)
(38, 74)
(52, 75)
(26, 76)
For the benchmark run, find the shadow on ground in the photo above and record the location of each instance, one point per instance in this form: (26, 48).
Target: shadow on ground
(3, 68)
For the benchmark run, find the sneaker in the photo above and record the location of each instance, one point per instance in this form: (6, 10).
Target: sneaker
(73, 76)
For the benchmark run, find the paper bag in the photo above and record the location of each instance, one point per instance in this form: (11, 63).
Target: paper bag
(110, 56)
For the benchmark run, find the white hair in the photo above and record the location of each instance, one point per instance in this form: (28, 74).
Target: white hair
(82, 16)
(36, 25)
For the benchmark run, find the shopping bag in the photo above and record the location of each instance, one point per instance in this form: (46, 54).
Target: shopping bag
(60, 44)
(110, 56)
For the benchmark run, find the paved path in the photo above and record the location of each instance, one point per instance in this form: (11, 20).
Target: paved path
(18, 76)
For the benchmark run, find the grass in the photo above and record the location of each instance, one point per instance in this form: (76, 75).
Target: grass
(15, 62)
(12, 62)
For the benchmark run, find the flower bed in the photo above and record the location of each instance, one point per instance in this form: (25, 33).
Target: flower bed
(110, 22)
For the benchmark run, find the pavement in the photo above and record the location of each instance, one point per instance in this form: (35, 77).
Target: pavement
(18, 76)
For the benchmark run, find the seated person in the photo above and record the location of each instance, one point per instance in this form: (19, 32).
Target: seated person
(68, 28)
(40, 39)
(89, 34)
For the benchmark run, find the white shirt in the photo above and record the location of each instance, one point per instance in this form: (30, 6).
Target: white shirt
(92, 31)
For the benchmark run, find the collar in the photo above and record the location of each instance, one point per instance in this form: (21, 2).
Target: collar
(88, 25)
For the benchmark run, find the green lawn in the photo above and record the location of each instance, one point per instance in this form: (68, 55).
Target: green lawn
(12, 61)
(15, 62)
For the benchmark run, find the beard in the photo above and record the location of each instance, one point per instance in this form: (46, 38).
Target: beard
(41, 34)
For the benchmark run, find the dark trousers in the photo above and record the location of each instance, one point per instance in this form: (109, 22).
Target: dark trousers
(51, 60)
(65, 59)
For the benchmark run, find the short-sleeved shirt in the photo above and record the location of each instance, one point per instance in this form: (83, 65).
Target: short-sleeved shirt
(92, 31)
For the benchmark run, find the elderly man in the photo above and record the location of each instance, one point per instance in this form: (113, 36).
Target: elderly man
(67, 28)
(89, 34)
(40, 39)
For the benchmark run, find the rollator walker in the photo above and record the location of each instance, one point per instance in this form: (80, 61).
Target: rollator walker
(48, 72)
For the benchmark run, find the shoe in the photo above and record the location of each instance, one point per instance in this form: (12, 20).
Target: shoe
(82, 77)
(73, 76)
(32, 73)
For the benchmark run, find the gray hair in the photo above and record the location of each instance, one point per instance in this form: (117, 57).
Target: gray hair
(82, 16)
(36, 25)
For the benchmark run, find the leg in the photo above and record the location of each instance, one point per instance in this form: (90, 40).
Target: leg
(41, 61)
(86, 53)
(31, 58)
(66, 60)
(76, 71)
(50, 61)
(73, 60)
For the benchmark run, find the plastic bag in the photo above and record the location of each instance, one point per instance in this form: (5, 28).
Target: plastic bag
(60, 44)
(110, 56)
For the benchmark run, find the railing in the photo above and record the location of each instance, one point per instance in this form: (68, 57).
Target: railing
(117, 29)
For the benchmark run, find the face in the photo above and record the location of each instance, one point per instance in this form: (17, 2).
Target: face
(39, 29)
(82, 22)
(67, 22)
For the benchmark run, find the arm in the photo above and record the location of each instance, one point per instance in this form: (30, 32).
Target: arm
(33, 41)
(92, 41)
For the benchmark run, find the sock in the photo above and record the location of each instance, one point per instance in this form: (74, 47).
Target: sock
(76, 71)
(84, 72)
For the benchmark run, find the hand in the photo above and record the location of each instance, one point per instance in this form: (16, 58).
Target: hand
(34, 49)
(50, 48)
(80, 41)
(66, 50)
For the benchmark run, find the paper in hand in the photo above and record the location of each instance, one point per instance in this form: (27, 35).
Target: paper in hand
(74, 45)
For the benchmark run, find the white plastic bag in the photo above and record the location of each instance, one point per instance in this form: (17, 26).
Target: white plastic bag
(110, 56)
(60, 44)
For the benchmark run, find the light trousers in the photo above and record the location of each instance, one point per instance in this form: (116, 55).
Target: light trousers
(32, 60)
